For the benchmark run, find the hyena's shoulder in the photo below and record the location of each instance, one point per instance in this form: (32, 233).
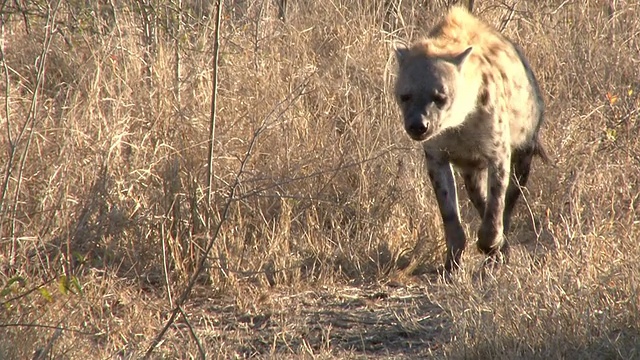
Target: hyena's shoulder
(459, 25)
(460, 29)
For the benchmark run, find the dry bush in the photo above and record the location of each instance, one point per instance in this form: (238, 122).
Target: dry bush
(104, 216)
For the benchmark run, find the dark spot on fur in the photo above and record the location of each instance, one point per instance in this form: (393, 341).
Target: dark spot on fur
(507, 92)
(516, 114)
(486, 79)
(483, 98)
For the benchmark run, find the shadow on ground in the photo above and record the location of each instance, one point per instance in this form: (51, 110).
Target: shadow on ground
(371, 322)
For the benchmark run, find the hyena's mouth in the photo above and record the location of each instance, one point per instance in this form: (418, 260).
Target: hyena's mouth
(419, 137)
(420, 131)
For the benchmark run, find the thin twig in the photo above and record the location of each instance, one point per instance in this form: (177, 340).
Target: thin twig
(29, 124)
(26, 292)
(165, 265)
(193, 334)
(470, 4)
(223, 218)
(214, 99)
(178, 63)
(7, 110)
(507, 20)
(201, 264)
(43, 353)
(257, 191)
(207, 250)
(45, 327)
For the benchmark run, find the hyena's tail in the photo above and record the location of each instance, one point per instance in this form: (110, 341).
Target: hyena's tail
(538, 149)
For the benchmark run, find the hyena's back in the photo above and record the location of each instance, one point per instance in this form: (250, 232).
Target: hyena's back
(536, 116)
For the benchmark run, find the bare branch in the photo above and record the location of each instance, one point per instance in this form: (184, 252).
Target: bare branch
(214, 98)
(193, 334)
(29, 124)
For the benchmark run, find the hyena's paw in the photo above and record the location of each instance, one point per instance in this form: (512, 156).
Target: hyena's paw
(490, 240)
(445, 275)
(493, 263)
(497, 258)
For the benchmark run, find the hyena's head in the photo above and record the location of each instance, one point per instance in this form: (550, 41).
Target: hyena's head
(430, 90)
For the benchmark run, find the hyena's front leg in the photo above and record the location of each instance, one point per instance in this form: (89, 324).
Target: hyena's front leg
(475, 181)
(490, 235)
(444, 186)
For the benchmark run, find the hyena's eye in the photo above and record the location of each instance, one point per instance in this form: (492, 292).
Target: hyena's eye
(404, 98)
(440, 100)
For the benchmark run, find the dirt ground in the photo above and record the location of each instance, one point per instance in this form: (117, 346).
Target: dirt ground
(383, 321)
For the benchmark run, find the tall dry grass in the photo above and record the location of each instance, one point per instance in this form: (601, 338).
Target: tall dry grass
(104, 215)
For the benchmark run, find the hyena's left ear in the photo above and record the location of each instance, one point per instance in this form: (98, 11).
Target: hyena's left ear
(401, 49)
(459, 59)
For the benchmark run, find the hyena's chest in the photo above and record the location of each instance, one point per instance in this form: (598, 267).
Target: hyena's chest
(466, 146)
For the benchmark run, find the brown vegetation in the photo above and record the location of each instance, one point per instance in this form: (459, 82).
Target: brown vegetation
(332, 234)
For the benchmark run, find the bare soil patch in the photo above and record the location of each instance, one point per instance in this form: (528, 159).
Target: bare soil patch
(366, 322)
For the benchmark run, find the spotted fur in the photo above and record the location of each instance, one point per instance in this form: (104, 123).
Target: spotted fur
(469, 96)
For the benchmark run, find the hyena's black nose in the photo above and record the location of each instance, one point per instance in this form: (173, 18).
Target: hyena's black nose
(417, 129)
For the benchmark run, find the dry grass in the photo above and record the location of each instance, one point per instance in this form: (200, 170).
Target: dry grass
(333, 233)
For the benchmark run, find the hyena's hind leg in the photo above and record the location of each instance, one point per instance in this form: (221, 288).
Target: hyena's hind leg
(520, 167)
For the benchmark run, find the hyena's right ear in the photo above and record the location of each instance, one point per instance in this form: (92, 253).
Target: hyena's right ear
(401, 49)
(459, 59)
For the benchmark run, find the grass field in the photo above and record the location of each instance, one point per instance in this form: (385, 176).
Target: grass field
(322, 234)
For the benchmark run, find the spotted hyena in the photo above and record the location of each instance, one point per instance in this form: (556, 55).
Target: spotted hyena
(469, 95)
